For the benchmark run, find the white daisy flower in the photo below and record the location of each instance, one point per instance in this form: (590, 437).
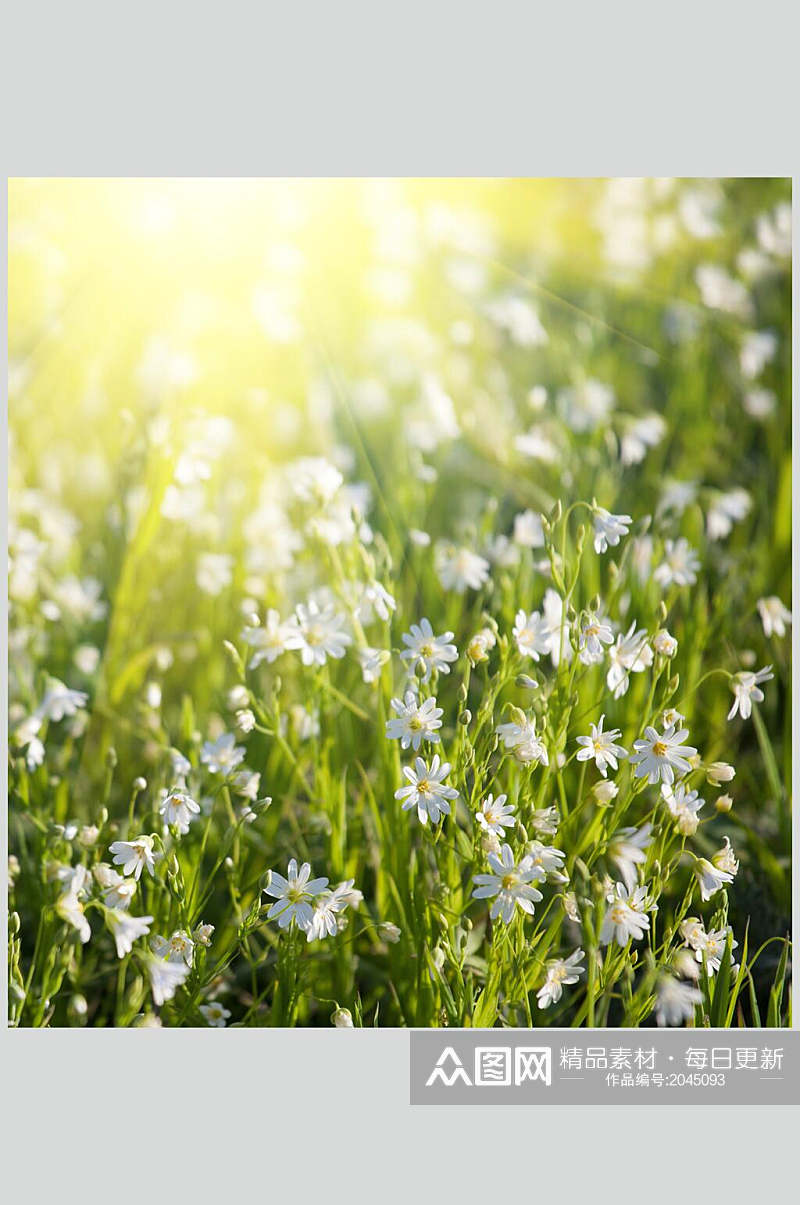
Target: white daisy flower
(223, 755)
(521, 739)
(746, 688)
(495, 815)
(460, 569)
(675, 1001)
(134, 856)
(294, 895)
(372, 662)
(317, 633)
(625, 918)
(659, 754)
(595, 632)
(215, 1014)
(710, 878)
(627, 851)
(179, 808)
(427, 791)
(126, 929)
(416, 722)
(608, 528)
(547, 860)
(631, 654)
(684, 806)
(268, 640)
(60, 701)
(425, 653)
(510, 883)
(774, 616)
(679, 566)
(532, 634)
(601, 748)
(560, 971)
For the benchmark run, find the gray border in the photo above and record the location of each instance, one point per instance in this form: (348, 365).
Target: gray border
(612, 89)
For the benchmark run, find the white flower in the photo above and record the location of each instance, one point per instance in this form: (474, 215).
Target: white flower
(59, 701)
(528, 530)
(659, 754)
(325, 919)
(342, 1018)
(774, 616)
(223, 755)
(608, 528)
(601, 748)
(215, 1014)
(604, 791)
(532, 633)
(665, 644)
(560, 971)
(595, 632)
(710, 878)
(518, 318)
(416, 722)
(202, 934)
(317, 633)
(427, 791)
(554, 613)
(745, 687)
(178, 948)
(165, 977)
(631, 654)
(375, 598)
(679, 566)
(546, 860)
(214, 572)
(545, 821)
(627, 851)
(758, 348)
(126, 929)
(26, 737)
(725, 859)
(460, 569)
(314, 479)
(625, 918)
(510, 883)
(496, 815)
(675, 1001)
(725, 510)
(390, 932)
(69, 905)
(425, 653)
(718, 772)
(178, 808)
(134, 855)
(293, 895)
(683, 805)
(372, 662)
(641, 434)
(708, 947)
(522, 740)
(269, 640)
(481, 645)
(117, 890)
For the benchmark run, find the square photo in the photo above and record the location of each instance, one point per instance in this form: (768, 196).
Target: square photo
(399, 603)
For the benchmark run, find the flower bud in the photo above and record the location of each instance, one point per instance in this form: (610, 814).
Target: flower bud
(342, 1018)
(525, 682)
(664, 643)
(719, 772)
(140, 784)
(389, 932)
(604, 791)
(724, 803)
